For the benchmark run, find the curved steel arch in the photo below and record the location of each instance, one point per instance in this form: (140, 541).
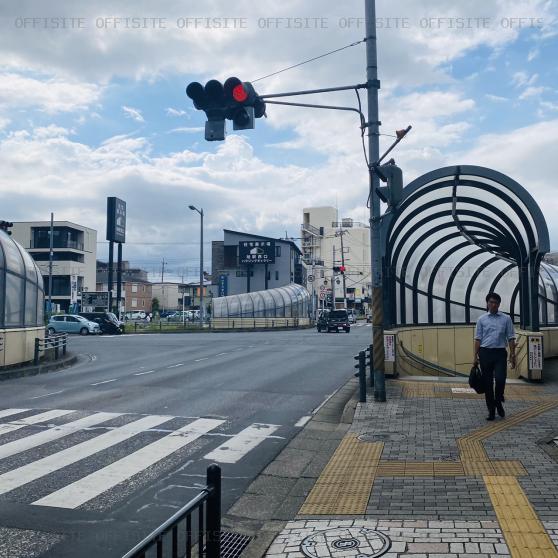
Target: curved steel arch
(504, 222)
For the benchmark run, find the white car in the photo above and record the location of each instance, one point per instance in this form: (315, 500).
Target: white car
(136, 315)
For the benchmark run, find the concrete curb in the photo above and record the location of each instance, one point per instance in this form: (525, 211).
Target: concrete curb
(227, 330)
(50, 366)
(275, 496)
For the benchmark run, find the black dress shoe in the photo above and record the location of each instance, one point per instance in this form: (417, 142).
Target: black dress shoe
(491, 416)
(500, 410)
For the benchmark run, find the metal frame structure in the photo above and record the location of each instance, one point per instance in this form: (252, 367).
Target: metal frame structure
(458, 233)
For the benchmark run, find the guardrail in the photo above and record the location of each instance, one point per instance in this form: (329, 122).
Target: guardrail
(208, 526)
(257, 323)
(57, 342)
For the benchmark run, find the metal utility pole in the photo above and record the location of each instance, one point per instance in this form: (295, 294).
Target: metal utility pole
(373, 85)
(333, 280)
(163, 282)
(119, 281)
(341, 233)
(50, 258)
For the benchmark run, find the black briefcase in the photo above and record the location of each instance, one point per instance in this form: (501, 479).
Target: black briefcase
(476, 380)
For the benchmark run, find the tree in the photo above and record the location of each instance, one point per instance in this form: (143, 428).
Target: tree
(155, 305)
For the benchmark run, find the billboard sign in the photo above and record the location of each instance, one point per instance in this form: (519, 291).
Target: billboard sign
(256, 251)
(73, 289)
(116, 220)
(223, 285)
(95, 299)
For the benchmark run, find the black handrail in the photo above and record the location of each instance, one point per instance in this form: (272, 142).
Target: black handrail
(209, 527)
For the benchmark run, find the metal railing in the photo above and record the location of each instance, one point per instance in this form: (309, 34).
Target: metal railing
(364, 358)
(56, 343)
(208, 541)
(311, 229)
(258, 323)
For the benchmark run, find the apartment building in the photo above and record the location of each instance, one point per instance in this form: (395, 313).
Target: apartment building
(329, 242)
(74, 257)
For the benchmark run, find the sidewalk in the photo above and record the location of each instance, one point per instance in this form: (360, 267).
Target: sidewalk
(426, 476)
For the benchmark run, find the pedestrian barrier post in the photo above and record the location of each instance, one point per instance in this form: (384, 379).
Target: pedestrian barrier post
(36, 357)
(361, 367)
(56, 345)
(371, 356)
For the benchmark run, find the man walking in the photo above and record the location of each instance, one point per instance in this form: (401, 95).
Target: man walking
(494, 330)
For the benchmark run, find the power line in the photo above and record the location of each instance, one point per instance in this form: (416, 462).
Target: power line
(310, 60)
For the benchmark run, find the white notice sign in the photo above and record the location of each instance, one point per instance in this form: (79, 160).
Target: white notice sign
(535, 353)
(389, 347)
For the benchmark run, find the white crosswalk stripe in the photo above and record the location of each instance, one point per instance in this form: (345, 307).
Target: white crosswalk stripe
(35, 440)
(94, 483)
(238, 446)
(34, 419)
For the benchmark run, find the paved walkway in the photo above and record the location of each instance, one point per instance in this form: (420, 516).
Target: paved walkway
(425, 475)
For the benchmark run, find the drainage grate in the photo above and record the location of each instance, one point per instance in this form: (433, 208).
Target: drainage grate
(232, 544)
(382, 437)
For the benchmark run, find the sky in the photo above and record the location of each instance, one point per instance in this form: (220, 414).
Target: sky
(93, 104)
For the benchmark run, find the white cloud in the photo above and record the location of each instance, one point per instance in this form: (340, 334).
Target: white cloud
(187, 130)
(533, 53)
(174, 112)
(133, 113)
(531, 92)
(51, 95)
(496, 98)
(4, 122)
(522, 79)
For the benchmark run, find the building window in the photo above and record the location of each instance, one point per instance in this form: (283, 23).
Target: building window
(322, 273)
(134, 288)
(230, 256)
(143, 288)
(143, 302)
(134, 302)
(278, 251)
(276, 276)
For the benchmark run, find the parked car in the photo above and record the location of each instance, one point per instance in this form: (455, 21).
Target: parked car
(334, 320)
(72, 323)
(135, 315)
(107, 321)
(352, 316)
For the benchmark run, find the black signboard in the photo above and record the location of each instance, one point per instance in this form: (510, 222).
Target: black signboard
(256, 251)
(223, 285)
(95, 299)
(116, 220)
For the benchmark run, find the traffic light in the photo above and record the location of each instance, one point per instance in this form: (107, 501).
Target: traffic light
(6, 226)
(234, 100)
(393, 176)
(339, 269)
(211, 100)
(243, 103)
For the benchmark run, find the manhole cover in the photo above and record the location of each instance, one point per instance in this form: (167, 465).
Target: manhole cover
(352, 542)
(381, 437)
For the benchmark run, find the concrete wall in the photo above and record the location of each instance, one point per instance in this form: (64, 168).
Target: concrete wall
(18, 345)
(451, 348)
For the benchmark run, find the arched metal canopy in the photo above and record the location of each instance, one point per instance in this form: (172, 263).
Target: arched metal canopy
(458, 233)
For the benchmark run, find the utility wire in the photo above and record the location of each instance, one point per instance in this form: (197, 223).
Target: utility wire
(310, 60)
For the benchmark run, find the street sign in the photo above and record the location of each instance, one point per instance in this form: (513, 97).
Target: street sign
(223, 285)
(116, 220)
(322, 295)
(310, 278)
(323, 288)
(256, 251)
(389, 347)
(95, 299)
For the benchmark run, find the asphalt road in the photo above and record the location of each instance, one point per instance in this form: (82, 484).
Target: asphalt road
(94, 457)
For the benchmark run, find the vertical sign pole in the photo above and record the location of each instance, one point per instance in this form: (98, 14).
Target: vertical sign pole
(110, 273)
(119, 280)
(201, 269)
(50, 258)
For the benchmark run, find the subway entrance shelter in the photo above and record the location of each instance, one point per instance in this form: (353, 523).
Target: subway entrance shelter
(458, 233)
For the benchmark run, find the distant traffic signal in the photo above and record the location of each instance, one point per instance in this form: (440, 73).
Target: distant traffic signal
(235, 100)
(339, 269)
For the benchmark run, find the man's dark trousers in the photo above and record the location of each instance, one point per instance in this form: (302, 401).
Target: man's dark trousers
(493, 363)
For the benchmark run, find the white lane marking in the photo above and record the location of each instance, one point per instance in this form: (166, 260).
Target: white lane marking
(238, 446)
(143, 373)
(17, 446)
(47, 394)
(200, 359)
(8, 412)
(302, 421)
(176, 365)
(323, 403)
(87, 488)
(34, 419)
(105, 382)
(42, 467)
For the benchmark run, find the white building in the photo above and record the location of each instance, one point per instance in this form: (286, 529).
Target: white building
(328, 242)
(74, 257)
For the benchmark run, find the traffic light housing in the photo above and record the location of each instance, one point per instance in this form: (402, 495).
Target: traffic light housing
(339, 269)
(234, 100)
(393, 176)
(6, 226)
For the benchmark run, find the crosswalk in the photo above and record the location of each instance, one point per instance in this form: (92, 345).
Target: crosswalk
(97, 451)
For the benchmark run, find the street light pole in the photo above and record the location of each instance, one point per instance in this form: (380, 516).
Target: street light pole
(200, 211)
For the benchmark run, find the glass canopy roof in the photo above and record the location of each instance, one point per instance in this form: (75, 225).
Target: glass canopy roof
(459, 233)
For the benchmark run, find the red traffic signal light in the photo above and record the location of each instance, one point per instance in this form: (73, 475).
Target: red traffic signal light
(342, 269)
(240, 95)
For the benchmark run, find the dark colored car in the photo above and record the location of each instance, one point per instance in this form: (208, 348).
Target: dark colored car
(334, 320)
(107, 322)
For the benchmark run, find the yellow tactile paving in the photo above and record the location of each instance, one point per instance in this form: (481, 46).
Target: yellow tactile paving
(344, 486)
(524, 533)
